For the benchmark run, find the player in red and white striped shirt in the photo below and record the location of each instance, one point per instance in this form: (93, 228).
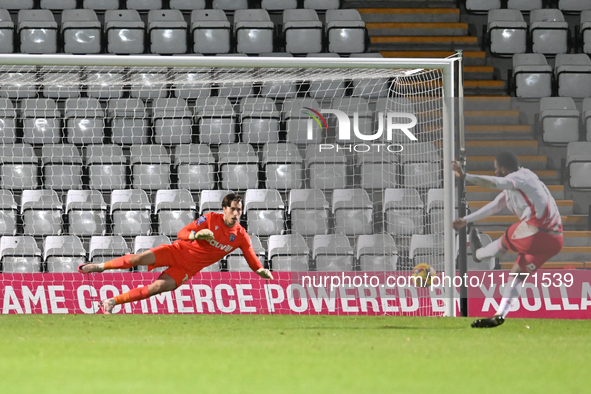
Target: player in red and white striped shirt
(536, 237)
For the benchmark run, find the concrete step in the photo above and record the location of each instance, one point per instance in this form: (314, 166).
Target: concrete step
(394, 15)
(484, 87)
(416, 29)
(493, 147)
(569, 222)
(477, 193)
(549, 177)
(571, 238)
(474, 73)
(506, 117)
(471, 58)
(533, 162)
(486, 103)
(498, 132)
(568, 253)
(565, 207)
(432, 43)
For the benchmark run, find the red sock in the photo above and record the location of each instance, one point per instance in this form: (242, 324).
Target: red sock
(119, 263)
(136, 294)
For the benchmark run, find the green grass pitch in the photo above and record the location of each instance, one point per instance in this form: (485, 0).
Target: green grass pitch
(290, 354)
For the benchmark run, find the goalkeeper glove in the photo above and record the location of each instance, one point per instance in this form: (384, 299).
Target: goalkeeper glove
(202, 234)
(264, 273)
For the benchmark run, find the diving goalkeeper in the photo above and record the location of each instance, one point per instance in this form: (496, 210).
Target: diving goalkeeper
(200, 244)
(536, 237)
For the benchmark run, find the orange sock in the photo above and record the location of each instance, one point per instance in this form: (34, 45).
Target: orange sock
(136, 294)
(119, 263)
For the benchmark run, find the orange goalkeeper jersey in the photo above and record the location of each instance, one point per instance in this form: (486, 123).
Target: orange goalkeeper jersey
(226, 240)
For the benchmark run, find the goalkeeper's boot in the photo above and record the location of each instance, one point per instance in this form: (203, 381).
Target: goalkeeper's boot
(489, 322)
(88, 268)
(107, 306)
(475, 243)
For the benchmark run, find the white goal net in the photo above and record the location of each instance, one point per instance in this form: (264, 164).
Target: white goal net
(340, 162)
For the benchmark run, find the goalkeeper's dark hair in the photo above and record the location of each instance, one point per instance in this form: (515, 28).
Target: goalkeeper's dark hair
(227, 201)
(508, 160)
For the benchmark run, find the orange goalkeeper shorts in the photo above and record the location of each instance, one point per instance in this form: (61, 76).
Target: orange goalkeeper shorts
(182, 262)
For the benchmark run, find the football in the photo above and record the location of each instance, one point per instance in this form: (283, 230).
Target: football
(422, 274)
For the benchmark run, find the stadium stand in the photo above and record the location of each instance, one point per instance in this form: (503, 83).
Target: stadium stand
(63, 253)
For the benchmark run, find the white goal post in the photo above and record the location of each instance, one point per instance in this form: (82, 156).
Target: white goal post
(380, 125)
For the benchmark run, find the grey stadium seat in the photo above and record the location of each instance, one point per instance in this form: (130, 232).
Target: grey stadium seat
(216, 119)
(7, 121)
(377, 252)
(327, 167)
(106, 167)
(211, 200)
(378, 169)
(42, 212)
(41, 121)
(104, 248)
(150, 167)
(230, 5)
(421, 163)
(427, 249)
(85, 122)
(187, 4)
(236, 261)
(6, 32)
(525, 5)
(559, 120)
(507, 32)
(585, 29)
(275, 89)
(62, 167)
(86, 212)
(288, 253)
(303, 31)
(37, 31)
(238, 166)
(19, 167)
(8, 209)
(321, 87)
(403, 211)
(16, 4)
(58, 4)
(129, 121)
(259, 119)
(192, 85)
(148, 83)
(125, 32)
(100, 4)
(345, 31)
(141, 243)
(296, 120)
(332, 253)
(254, 31)
(195, 166)
(283, 166)
(63, 253)
(175, 209)
(309, 212)
(265, 211)
(130, 212)
(370, 88)
(353, 212)
(532, 75)
(167, 30)
(81, 31)
(144, 4)
(105, 83)
(578, 162)
(19, 83)
(573, 6)
(349, 105)
(61, 83)
(322, 4)
(573, 75)
(587, 117)
(20, 255)
(211, 32)
(548, 31)
(277, 5)
(171, 118)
